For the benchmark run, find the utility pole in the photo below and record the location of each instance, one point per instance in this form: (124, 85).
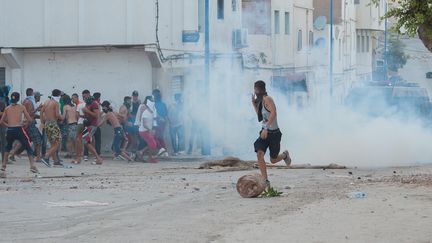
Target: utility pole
(206, 148)
(331, 50)
(385, 44)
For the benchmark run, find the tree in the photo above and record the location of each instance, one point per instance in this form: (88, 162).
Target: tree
(415, 16)
(396, 55)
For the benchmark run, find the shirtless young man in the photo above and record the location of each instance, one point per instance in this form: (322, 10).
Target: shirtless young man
(270, 135)
(71, 115)
(112, 119)
(124, 113)
(50, 115)
(12, 119)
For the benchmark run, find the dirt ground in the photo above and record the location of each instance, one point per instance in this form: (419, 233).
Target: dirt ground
(177, 202)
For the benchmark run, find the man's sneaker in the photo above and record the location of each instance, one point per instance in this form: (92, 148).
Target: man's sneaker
(117, 158)
(46, 162)
(181, 152)
(3, 173)
(85, 158)
(34, 170)
(287, 158)
(59, 163)
(12, 158)
(161, 151)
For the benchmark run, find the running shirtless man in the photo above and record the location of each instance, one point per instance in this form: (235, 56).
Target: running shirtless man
(12, 119)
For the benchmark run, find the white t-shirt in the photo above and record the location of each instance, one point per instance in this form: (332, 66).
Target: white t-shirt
(148, 116)
(138, 117)
(81, 113)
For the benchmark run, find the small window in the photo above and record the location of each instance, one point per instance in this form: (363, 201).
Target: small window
(367, 43)
(234, 5)
(220, 9)
(201, 15)
(287, 23)
(277, 22)
(356, 1)
(311, 39)
(340, 49)
(299, 40)
(362, 44)
(358, 44)
(2, 76)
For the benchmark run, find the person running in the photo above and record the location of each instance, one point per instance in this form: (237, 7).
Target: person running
(50, 115)
(91, 114)
(112, 119)
(70, 115)
(146, 130)
(12, 119)
(3, 105)
(124, 113)
(270, 135)
(31, 129)
(80, 128)
(98, 133)
(161, 121)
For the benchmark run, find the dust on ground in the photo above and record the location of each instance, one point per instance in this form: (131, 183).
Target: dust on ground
(175, 201)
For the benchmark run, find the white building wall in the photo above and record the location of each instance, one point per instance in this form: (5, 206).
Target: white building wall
(120, 72)
(303, 16)
(48, 23)
(369, 15)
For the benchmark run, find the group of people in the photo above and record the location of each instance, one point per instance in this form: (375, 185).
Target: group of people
(41, 128)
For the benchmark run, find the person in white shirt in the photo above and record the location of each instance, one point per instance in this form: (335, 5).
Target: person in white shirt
(146, 129)
(80, 127)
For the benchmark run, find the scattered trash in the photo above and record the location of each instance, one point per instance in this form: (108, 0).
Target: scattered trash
(338, 176)
(27, 180)
(196, 189)
(233, 184)
(349, 172)
(394, 172)
(73, 187)
(224, 187)
(359, 178)
(356, 195)
(271, 192)
(289, 187)
(74, 204)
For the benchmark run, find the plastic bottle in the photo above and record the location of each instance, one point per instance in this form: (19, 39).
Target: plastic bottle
(357, 195)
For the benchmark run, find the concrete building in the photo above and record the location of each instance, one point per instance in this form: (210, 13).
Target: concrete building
(280, 37)
(370, 29)
(78, 44)
(356, 27)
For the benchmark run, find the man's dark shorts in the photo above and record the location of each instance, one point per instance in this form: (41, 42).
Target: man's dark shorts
(272, 142)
